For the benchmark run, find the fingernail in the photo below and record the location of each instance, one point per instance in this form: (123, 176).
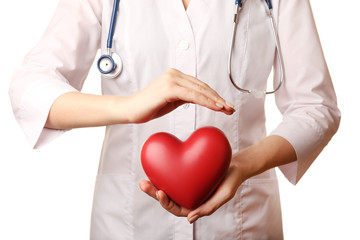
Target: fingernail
(229, 104)
(219, 105)
(193, 219)
(157, 195)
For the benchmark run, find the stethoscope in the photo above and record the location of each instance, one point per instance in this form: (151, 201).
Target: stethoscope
(255, 92)
(110, 64)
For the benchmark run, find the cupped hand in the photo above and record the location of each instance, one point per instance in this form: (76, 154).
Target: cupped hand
(159, 195)
(268, 153)
(223, 194)
(171, 90)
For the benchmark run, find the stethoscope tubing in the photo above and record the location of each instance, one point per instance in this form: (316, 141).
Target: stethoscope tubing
(112, 67)
(112, 24)
(279, 54)
(238, 7)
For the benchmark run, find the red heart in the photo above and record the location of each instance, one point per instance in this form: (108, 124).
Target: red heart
(188, 172)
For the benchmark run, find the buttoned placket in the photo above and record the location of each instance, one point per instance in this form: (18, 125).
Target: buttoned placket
(184, 117)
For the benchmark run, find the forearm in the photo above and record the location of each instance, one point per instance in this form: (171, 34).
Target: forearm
(172, 89)
(76, 110)
(268, 153)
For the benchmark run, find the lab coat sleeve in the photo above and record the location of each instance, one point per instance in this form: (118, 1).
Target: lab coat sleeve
(307, 99)
(59, 63)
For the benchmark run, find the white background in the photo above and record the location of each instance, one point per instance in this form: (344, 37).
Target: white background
(47, 194)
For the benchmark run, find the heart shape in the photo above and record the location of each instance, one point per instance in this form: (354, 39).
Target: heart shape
(188, 172)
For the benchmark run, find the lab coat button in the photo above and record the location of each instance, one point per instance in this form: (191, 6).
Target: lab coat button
(184, 45)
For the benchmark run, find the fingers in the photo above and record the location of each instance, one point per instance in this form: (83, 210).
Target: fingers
(171, 206)
(193, 96)
(220, 197)
(211, 93)
(165, 202)
(204, 97)
(172, 89)
(148, 188)
(190, 89)
(224, 193)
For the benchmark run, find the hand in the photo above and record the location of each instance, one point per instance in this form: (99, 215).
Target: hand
(268, 153)
(172, 89)
(223, 194)
(147, 187)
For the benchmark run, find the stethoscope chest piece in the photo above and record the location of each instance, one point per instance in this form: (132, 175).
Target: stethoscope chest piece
(110, 66)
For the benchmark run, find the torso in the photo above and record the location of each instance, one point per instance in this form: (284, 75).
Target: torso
(197, 44)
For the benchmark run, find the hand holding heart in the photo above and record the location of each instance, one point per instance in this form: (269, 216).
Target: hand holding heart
(189, 172)
(223, 194)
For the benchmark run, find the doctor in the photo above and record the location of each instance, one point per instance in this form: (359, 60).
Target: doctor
(173, 53)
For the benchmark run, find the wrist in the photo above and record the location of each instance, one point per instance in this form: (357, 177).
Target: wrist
(268, 153)
(119, 110)
(245, 162)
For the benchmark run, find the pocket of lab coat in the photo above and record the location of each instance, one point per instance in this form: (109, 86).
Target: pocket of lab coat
(111, 209)
(253, 213)
(260, 207)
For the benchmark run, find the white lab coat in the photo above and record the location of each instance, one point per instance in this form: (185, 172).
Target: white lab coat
(152, 36)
